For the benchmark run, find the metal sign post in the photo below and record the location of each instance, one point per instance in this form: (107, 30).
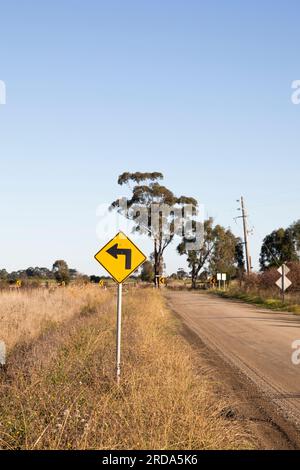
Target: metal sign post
(224, 277)
(283, 282)
(119, 326)
(120, 257)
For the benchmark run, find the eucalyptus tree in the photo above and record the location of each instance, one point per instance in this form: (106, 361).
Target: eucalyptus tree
(280, 246)
(220, 251)
(155, 211)
(197, 259)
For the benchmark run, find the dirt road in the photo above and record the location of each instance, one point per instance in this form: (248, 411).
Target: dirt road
(255, 343)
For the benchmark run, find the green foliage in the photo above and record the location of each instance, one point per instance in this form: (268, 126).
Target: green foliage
(37, 276)
(3, 274)
(137, 177)
(227, 254)
(181, 274)
(279, 247)
(95, 279)
(221, 251)
(197, 259)
(239, 255)
(145, 196)
(295, 231)
(38, 273)
(147, 274)
(61, 271)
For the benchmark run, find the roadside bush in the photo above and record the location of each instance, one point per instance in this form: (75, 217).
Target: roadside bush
(294, 275)
(268, 278)
(251, 282)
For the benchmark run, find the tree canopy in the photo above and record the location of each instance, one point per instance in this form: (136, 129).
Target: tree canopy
(280, 246)
(159, 224)
(61, 271)
(221, 251)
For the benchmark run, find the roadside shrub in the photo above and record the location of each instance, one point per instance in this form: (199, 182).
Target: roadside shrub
(251, 282)
(268, 278)
(294, 275)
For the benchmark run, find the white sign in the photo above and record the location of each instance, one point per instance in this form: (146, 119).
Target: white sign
(283, 270)
(283, 282)
(219, 277)
(224, 276)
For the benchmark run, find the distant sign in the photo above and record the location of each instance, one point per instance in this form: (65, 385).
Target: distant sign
(283, 282)
(223, 276)
(219, 277)
(120, 257)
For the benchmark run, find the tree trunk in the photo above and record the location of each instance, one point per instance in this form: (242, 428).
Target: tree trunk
(195, 272)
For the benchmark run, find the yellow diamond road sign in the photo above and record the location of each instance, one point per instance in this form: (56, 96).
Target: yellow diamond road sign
(120, 257)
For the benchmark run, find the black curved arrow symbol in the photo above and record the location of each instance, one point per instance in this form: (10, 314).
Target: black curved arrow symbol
(115, 252)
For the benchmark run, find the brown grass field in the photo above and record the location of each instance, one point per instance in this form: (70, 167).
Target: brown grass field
(59, 390)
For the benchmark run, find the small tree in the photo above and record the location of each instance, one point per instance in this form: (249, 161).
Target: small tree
(280, 246)
(147, 274)
(95, 279)
(3, 274)
(227, 256)
(61, 271)
(181, 274)
(197, 259)
(239, 260)
(220, 252)
(295, 233)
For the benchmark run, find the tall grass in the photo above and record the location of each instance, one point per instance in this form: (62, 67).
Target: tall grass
(61, 392)
(26, 313)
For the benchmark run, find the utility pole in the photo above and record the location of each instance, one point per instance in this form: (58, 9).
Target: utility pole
(246, 242)
(282, 283)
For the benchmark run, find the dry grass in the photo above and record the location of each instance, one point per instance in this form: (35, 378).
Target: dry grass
(26, 313)
(60, 392)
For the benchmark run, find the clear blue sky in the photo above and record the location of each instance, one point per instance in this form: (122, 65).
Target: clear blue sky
(198, 90)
